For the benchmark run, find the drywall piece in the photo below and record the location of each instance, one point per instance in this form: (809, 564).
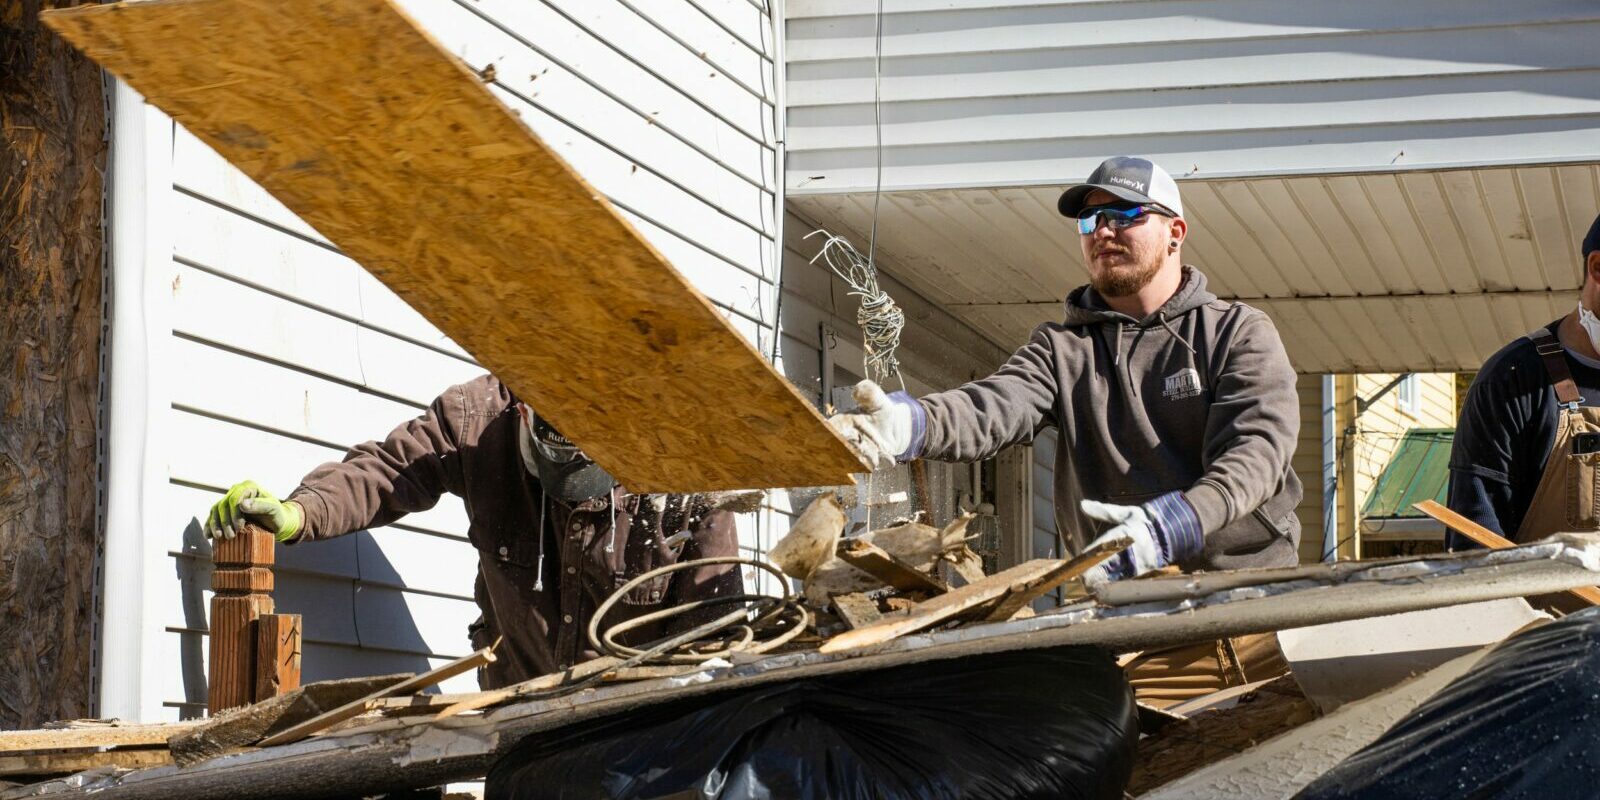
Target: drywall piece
(366, 128)
(1344, 661)
(362, 760)
(1282, 766)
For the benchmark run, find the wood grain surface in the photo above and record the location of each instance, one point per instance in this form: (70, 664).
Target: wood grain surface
(52, 182)
(366, 128)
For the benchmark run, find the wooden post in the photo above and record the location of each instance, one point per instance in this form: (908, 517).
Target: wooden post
(277, 655)
(241, 582)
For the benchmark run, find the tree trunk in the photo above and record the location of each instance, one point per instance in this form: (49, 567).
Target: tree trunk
(52, 179)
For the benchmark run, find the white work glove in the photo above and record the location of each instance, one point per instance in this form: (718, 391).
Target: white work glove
(1165, 530)
(884, 428)
(1130, 521)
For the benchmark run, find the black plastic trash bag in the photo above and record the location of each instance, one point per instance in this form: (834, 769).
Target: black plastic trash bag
(1056, 723)
(1523, 723)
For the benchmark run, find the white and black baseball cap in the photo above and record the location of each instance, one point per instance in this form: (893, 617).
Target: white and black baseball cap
(1137, 180)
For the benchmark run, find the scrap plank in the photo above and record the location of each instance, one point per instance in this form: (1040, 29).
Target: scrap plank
(66, 763)
(91, 736)
(1024, 593)
(362, 705)
(246, 725)
(948, 606)
(364, 126)
(857, 610)
(1483, 536)
(880, 564)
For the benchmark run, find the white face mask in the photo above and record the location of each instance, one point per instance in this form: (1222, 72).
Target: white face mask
(1591, 325)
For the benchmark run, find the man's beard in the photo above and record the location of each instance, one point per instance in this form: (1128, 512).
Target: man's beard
(1122, 280)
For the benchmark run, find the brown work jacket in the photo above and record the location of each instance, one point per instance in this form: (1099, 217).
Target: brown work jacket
(466, 443)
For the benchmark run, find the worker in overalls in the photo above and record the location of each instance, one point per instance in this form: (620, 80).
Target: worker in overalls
(555, 534)
(1526, 461)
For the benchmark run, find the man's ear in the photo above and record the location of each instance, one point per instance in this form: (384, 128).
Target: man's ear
(1178, 229)
(1591, 267)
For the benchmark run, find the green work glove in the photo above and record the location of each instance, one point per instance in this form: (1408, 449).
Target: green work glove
(248, 502)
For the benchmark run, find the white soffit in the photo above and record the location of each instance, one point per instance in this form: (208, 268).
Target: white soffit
(1392, 272)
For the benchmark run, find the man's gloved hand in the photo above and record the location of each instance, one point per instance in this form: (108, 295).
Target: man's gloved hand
(1165, 530)
(885, 428)
(248, 502)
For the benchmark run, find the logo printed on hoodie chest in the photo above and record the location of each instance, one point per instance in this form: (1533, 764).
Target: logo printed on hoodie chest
(1181, 384)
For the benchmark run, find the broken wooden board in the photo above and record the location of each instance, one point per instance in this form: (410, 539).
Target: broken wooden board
(857, 610)
(921, 546)
(394, 754)
(93, 735)
(372, 133)
(1024, 593)
(948, 606)
(246, 725)
(878, 563)
(68, 763)
(362, 705)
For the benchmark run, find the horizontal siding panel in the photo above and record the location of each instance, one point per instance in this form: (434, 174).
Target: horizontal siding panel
(1162, 67)
(1276, 109)
(214, 309)
(222, 240)
(1017, 94)
(222, 453)
(560, 44)
(1003, 26)
(403, 559)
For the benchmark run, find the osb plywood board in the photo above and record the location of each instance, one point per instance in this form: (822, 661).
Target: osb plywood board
(364, 126)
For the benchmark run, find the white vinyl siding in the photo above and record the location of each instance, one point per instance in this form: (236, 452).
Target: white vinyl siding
(1024, 92)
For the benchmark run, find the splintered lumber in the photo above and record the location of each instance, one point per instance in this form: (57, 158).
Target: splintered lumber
(375, 135)
(362, 705)
(1023, 593)
(949, 606)
(240, 598)
(277, 654)
(875, 561)
(857, 610)
(66, 763)
(1483, 536)
(242, 727)
(92, 735)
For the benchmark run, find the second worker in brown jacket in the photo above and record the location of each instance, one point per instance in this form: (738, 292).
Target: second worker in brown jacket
(555, 535)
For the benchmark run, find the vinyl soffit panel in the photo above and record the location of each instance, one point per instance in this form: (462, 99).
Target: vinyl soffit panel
(371, 132)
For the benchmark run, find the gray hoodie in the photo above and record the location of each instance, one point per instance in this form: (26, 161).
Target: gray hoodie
(1199, 397)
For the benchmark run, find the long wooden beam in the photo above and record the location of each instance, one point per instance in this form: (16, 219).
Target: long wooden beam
(364, 126)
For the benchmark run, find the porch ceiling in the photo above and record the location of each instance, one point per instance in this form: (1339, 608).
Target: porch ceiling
(1393, 272)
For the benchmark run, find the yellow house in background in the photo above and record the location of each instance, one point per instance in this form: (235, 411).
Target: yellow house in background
(1370, 445)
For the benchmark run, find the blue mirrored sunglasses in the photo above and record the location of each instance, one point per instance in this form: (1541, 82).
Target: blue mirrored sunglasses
(1117, 218)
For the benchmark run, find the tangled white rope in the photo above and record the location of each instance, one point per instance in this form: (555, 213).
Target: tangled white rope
(881, 320)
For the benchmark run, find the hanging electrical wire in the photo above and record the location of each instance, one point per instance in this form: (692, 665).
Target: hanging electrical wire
(880, 318)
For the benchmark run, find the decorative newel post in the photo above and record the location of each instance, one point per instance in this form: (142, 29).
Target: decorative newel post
(255, 653)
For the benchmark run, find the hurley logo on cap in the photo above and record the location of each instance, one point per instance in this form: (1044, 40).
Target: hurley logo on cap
(1137, 186)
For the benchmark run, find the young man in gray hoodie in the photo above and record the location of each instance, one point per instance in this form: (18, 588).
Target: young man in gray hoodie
(1177, 411)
